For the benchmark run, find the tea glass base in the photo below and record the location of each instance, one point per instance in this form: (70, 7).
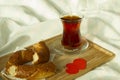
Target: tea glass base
(57, 47)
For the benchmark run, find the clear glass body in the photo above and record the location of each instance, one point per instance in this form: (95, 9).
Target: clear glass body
(71, 38)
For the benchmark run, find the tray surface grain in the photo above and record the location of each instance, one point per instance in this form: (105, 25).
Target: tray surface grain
(94, 55)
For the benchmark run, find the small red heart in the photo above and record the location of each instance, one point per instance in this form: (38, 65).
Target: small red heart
(80, 63)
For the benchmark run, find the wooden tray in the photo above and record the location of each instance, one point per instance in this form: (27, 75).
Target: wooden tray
(95, 56)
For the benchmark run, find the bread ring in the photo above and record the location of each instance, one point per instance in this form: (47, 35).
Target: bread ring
(38, 54)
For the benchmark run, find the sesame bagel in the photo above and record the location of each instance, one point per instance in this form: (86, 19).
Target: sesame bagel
(32, 62)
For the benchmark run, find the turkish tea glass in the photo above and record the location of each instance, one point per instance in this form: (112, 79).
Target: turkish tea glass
(71, 39)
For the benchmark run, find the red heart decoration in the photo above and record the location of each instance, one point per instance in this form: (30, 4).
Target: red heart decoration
(78, 64)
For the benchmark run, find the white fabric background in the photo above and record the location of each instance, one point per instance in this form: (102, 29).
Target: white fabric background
(24, 22)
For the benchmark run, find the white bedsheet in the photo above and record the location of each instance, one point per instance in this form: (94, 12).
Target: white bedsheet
(24, 22)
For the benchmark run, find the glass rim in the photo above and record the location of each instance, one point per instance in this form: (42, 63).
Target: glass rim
(71, 20)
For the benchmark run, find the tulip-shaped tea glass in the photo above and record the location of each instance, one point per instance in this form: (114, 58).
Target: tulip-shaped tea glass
(71, 40)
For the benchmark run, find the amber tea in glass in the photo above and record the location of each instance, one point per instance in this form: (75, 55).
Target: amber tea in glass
(71, 32)
(71, 38)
